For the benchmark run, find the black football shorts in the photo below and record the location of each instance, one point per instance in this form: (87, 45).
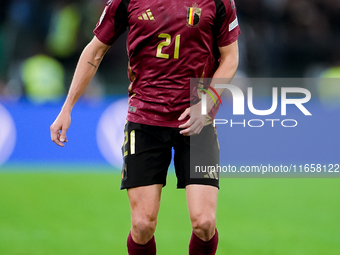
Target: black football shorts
(147, 153)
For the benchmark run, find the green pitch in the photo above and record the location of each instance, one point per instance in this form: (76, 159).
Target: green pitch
(83, 213)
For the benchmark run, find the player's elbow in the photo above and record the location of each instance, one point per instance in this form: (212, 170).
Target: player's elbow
(96, 50)
(234, 62)
(98, 54)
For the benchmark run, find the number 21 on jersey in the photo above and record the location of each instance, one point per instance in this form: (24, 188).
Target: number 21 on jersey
(166, 43)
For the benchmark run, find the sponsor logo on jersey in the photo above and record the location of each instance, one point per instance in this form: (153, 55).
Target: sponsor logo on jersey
(147, 15)
(193, 15)
(233, 24)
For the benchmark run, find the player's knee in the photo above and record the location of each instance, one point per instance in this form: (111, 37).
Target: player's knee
(204, 226)
(145, 225)
(143, 228)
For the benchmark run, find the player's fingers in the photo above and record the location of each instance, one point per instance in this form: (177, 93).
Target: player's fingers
(54, 132)
(192, 127)
(195, 128)
(55, 136)
(65, 141)
(184, 114)
(63, 135)
(187, 128)
(185, 132)
(185, 125)
(57, 141)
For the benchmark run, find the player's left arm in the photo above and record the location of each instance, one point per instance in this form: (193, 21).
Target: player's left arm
(226, 70)
(223, 75)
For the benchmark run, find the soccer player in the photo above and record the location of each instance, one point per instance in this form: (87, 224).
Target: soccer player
(168, 43)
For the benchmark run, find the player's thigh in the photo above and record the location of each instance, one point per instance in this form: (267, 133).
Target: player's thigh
(199, 150)
(202, 203)
(146, 156)
(144, 203)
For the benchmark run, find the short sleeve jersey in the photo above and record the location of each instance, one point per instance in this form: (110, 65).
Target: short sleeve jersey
(169, 42)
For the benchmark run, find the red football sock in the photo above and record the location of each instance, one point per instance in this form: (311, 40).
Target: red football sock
(141, 249)
(199, 247)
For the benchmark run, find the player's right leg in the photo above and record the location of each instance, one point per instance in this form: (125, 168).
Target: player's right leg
(144, 203)
(147, 155)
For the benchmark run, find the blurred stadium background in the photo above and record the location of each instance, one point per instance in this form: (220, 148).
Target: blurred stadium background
(66, 200)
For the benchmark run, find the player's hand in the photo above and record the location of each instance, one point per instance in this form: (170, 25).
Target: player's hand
(59, 129)
(196, 122)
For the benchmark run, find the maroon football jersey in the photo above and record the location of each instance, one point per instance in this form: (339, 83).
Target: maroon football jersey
(169, 42)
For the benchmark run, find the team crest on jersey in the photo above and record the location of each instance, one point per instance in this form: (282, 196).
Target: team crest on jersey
(193, 15)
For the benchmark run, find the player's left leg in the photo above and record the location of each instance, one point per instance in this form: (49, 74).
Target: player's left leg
(202, 203)
(201, 188)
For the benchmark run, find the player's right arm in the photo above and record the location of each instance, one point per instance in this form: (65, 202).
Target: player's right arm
(86, 68)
